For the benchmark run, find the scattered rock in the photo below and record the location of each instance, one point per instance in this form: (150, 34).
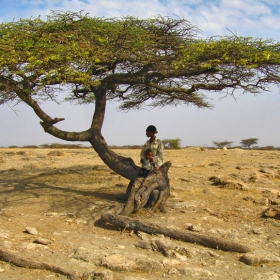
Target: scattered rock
(173, 271)
(225, 182)
(259, 178)
(31, 230)
(144, 244)
(42, 241)
(186, 180)
(259, 257)
(100, 275)
(272, 212)
(195, 271)
(119, 262)
(120, 185)
(192, 227)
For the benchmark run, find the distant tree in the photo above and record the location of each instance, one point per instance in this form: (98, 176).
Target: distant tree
(249, 142)
(222, 144)
(172, 143)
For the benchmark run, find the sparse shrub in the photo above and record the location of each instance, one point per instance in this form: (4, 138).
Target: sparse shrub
(61, 146)
(269, 148)
(172, 143)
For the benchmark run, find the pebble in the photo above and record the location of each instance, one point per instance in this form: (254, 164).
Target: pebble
(31, 230)
(43, 241)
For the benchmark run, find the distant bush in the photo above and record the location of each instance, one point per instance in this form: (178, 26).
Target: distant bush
(269, 148)
(134, 147)
(62, 146)
(172, 143)
(13, 147)
(30, 147)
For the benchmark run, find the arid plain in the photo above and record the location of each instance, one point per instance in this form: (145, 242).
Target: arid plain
(51, 202)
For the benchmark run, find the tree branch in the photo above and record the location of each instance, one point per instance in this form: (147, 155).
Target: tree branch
(11, 257)
(207, 241)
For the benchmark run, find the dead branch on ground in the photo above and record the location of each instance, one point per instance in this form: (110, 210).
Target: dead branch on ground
(11, 257)
(207, 241)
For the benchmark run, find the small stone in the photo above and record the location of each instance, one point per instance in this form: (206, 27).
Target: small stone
(272, 212)
(259, 257)
(189, 226)
(256, 231)
(31, 230)
(105, 275)
(193, 227)
(43, 241)
(173, 271)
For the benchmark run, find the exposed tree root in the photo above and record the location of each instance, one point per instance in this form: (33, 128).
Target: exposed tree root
(11, 257)
(207, 241)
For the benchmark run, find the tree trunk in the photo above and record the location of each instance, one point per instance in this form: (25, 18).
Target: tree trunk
(122, 165)
(151, 191)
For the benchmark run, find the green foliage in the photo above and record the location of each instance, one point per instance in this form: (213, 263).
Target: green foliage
(133, 60)
(222, 144)
(152, 62)
(249, 142)
(172, 143)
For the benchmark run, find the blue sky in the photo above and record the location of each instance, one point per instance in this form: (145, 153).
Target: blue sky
(232, 119)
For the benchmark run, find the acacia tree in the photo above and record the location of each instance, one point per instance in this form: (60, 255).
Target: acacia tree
(249, 142)
(138, 62)
(222, 144)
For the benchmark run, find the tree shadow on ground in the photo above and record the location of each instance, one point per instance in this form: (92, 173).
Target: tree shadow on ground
(66, 189)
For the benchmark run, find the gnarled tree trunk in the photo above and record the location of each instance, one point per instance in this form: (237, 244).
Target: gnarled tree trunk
(151, 191)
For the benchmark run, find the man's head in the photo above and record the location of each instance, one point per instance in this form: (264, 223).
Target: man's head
(151, 130)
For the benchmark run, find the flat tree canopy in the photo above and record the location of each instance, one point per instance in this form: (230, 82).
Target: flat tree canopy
(249, 142)
(222, 144)
(152, 62)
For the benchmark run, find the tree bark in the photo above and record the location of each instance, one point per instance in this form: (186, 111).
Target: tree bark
(207, 241)
(124, 166)
(121, 165)
(151, 191)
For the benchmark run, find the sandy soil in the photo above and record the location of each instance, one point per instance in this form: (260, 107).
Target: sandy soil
(51, 204)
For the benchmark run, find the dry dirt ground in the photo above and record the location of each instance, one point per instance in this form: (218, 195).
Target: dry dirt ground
(51, 202)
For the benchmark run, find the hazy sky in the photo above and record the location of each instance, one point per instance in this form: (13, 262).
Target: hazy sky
(232, 119)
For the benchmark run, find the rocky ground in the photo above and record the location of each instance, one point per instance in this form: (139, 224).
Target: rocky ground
(51, 202)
